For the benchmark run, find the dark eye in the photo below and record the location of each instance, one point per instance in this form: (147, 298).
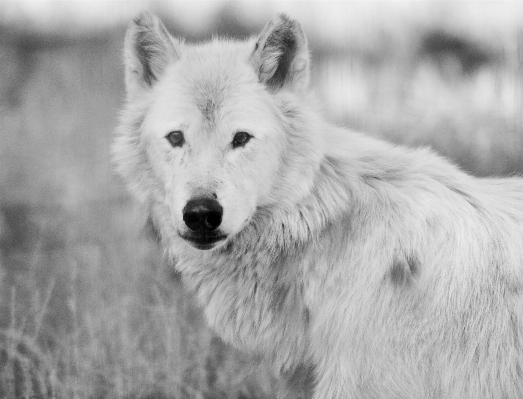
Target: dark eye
(240, 139)
(175, 138)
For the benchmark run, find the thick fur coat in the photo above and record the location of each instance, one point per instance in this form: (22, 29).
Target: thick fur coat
(358, 268)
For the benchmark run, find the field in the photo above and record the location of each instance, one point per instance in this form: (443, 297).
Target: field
(89, 308)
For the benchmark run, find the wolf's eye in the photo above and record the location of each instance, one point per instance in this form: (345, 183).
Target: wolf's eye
(240, 139)
(175, 138)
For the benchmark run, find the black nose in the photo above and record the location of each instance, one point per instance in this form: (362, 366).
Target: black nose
(202, 215)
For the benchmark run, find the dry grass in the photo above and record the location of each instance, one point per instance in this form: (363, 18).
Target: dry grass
(88, 307)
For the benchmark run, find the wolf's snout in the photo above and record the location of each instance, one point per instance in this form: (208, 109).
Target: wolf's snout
(202, 215)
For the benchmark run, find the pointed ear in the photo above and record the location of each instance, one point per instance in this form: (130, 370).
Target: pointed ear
(281, 56)
(148, 50)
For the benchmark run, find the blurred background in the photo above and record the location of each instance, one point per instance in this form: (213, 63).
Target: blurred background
(88, 306)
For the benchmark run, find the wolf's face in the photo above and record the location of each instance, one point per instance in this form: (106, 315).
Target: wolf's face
(214, 144)
(212, 134)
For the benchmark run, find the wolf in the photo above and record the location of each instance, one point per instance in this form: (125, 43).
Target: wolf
(357, 268)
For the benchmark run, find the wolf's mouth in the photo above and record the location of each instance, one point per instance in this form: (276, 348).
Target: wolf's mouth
(203, 241)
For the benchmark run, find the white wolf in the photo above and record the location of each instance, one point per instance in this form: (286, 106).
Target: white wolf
(360, 269)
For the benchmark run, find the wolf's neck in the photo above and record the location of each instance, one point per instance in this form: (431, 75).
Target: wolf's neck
(304, 221)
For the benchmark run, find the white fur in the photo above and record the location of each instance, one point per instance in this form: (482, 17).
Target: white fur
(385, 270)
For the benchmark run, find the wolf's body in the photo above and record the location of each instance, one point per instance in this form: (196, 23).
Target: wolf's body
(360, 269)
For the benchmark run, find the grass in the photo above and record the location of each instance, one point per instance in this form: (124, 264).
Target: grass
(88, 306)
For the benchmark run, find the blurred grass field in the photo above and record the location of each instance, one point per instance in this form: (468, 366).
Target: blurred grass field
(88, 306)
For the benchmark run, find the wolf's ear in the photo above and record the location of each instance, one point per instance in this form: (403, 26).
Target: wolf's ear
(280, 56)
(148, 50)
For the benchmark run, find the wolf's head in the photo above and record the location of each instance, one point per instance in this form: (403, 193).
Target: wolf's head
(212, 132)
